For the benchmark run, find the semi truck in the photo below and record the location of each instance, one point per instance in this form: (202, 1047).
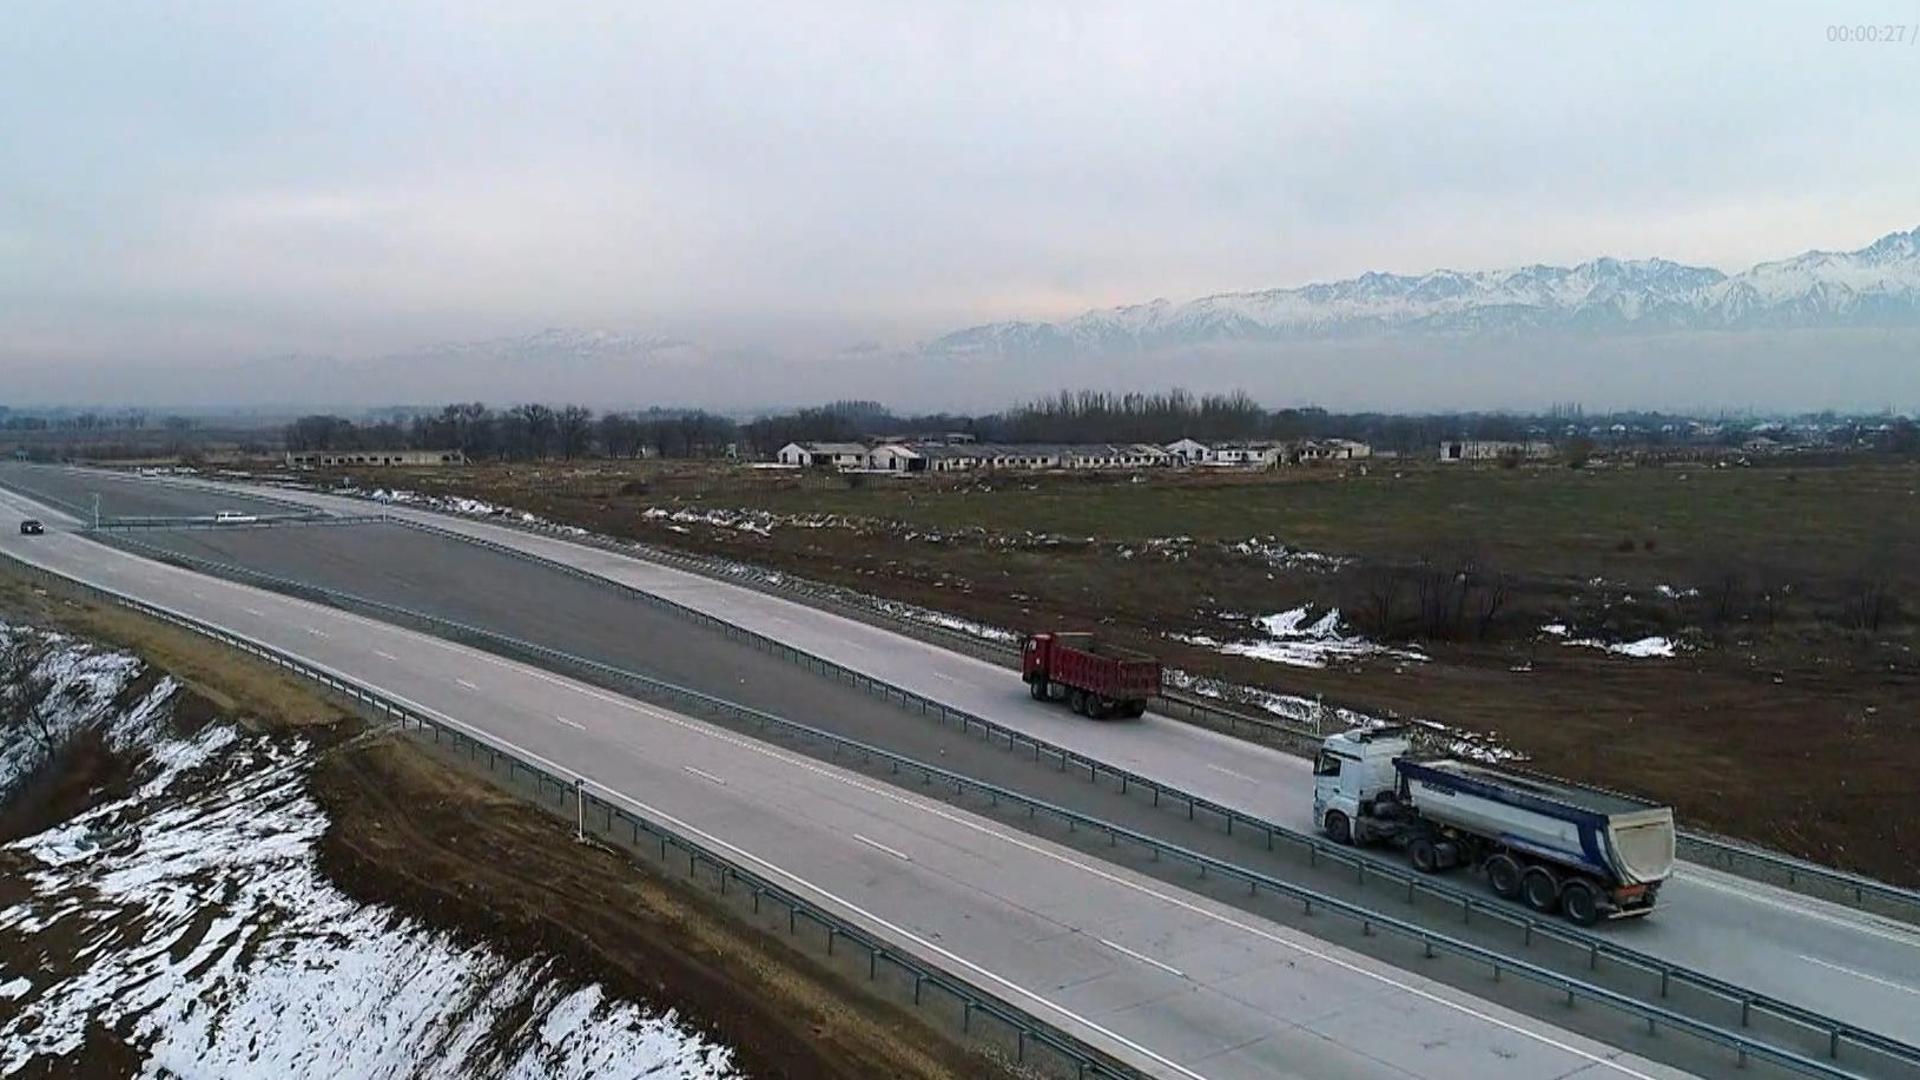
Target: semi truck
(1098, 680)
(1554, 845)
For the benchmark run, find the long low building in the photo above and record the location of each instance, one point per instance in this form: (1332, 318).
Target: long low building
(919, 457)
(910, 456)
(334, 459)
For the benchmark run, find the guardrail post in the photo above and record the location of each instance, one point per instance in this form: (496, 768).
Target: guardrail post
(580, 810)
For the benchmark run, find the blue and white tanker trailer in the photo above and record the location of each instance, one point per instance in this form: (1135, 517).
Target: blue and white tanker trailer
(1554, 845)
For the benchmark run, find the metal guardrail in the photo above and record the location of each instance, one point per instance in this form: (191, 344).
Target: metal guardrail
(1798, 874)
(1837, 1034)
(263, 521)
(1740, 859)
(1087, 1061)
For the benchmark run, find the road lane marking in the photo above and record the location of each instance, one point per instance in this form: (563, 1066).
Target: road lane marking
(1143, 958)
(944, 675)
(1230, 772)
(253, 613)
(934, 810)
(316, 632)
(705, 775)
(384, 655)
(575, 725)
(1746, 892)
(878, 846)
(1915, 990)
(466, 684)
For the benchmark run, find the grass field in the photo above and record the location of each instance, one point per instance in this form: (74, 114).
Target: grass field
(1542, 520)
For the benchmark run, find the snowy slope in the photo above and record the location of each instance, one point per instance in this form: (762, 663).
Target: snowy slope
(1874, 286)
(191, 917)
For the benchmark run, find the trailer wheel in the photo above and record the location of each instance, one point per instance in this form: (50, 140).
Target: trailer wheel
(1425, 858)
(1038, 688)
(1503, 876)
(1541, 889)
(1339, 829)
(1580, 902)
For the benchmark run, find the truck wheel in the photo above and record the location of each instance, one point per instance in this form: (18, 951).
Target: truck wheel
(1580, 902)
(1425, 859)
(1136, 709)
(1339, 829)
(1540, 889)
(1038, 688)
(1503, 876)
(1077, 701)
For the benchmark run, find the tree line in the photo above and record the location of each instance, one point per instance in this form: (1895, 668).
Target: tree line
(525, 432)
(534, 431)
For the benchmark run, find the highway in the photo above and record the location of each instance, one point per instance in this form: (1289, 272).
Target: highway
(1166, 979)
(1835, 960)
(1828, 958)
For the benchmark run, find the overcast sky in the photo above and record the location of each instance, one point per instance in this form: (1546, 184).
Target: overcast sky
(186, 182)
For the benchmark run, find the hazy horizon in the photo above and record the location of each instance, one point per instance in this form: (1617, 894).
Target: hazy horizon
(198, 202)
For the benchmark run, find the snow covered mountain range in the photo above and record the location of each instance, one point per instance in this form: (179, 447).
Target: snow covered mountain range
(1838, 329)
(1876, 286)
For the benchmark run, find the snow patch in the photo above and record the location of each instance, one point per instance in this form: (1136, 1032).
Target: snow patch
(51, 687)
(200, 923)
(1299, 638)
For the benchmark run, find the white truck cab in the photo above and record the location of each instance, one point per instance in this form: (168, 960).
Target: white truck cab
(1354, 768)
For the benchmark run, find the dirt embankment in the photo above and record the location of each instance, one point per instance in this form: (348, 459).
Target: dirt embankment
(433, 842)
(411, 831)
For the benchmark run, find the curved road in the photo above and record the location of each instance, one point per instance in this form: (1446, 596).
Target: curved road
(1826, 957)
(1168, 980)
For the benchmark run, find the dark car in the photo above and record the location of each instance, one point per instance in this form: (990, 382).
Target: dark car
(31, 527)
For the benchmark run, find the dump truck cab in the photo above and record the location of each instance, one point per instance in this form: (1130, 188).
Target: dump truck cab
(1351, 772)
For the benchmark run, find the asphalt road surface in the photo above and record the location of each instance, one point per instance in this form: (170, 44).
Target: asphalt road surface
(1832, 959)
(125, 496)
(1168, 980)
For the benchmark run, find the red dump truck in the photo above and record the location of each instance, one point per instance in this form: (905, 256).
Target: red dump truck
(1098, 680)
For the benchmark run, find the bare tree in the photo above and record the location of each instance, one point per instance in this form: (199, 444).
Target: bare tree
(536, 428)
(1492, 592)
(1724, 591)
(21, 698)
(573, 429)
(1378, 588)
(1871, 602)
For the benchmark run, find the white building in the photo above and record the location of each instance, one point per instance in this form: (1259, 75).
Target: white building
(1311, 450)
(896, 457)
(1190, 452)
(1106, 456)
(330, 459)
(952, 457)
(836, 455)
(1247, 455)
(1493, 450)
